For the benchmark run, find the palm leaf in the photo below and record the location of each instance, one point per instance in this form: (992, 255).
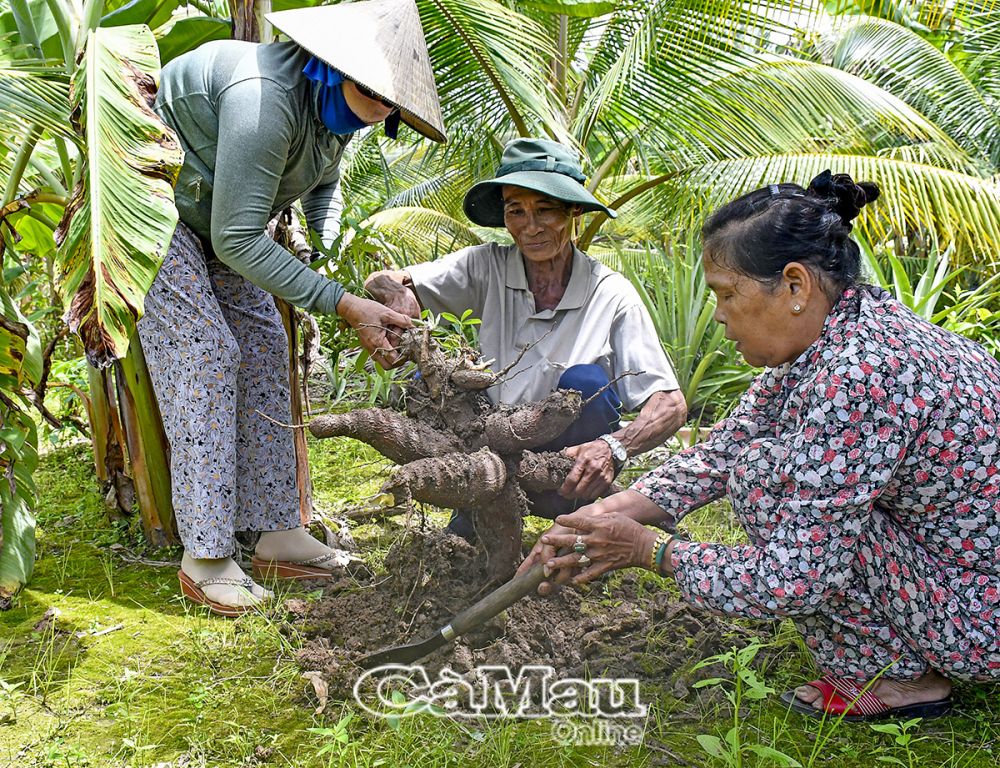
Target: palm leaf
(950, 208)
(784, 105)
(650, 54)
(109, 255)
(420, 234)
(486, 60)
(979, 40)
(900, 62)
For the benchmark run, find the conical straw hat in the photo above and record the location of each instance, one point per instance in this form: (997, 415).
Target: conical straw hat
(379, 44)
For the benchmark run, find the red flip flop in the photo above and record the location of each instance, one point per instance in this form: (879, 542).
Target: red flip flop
(193, 591)
(842, 696)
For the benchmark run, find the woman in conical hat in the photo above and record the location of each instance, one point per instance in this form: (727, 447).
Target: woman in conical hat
(262, 126)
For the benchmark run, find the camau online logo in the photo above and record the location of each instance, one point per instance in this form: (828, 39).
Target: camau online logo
(611, 709)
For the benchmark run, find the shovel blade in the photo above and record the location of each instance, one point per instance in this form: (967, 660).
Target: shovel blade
(402, 654)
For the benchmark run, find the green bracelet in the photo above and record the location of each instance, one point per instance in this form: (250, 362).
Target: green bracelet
(660, 552)
(656, 553)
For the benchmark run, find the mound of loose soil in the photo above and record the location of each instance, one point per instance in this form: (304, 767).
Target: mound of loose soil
(609, 632)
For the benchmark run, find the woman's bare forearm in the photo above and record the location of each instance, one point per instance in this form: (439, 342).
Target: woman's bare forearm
(631, 504)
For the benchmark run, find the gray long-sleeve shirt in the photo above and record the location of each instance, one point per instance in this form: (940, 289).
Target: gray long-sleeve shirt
(254, 143)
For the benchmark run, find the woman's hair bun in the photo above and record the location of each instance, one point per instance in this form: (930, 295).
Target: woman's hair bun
(846, 198)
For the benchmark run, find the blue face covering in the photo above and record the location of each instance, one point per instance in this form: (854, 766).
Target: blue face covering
(333, 109)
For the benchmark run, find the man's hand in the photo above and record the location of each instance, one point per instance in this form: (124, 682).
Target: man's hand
(377, 326)
(393, 294)
(593, 472)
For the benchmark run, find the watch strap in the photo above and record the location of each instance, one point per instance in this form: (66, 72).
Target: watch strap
(618, 454)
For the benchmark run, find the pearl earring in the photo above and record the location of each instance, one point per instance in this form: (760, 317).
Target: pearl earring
(796, 308)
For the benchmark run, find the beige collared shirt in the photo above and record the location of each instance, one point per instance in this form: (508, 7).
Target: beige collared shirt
(600, 319)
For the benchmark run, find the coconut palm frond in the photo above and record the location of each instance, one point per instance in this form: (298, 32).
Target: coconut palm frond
(775, 107)
(901, 62)
(677, 44)
(979, 37)
(443, 192)
(420, 234)
(939, 205)
(365, 176)
(486, 62)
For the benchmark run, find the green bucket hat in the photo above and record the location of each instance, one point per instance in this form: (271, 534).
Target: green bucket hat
(537, 164)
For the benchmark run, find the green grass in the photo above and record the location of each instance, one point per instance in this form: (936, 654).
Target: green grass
(128, 675)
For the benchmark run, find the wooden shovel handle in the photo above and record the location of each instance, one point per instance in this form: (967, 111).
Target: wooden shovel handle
(496, 601)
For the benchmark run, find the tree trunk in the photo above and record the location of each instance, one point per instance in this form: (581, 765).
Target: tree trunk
(296, 389)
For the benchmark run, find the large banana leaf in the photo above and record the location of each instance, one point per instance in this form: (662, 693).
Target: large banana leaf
(187, 34)
(20, 365)
(153, 13)
(117, 226)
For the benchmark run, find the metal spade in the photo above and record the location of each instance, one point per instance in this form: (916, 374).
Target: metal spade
(472, 617)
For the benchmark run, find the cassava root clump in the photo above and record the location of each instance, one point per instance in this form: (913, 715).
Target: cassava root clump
(455, 449)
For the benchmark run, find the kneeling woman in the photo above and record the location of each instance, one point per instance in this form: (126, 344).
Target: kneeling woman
(862, 464)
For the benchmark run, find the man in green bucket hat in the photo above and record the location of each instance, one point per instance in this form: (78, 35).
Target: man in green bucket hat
(557, 316)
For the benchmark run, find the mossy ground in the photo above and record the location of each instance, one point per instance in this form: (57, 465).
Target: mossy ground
(129, 675)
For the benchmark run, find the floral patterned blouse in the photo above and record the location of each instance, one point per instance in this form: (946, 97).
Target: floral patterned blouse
(885, 420)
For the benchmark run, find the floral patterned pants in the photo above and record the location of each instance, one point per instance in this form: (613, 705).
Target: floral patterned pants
(901, 616)
(217, 356)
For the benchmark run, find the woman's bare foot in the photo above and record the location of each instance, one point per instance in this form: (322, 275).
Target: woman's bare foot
(893, 693)
(297, 546)
(230, 594)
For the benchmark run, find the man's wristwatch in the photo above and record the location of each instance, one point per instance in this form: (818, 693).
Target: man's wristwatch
(618, 454)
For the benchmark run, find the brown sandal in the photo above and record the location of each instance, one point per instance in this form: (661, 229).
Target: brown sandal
(294, 570)
(193, 591)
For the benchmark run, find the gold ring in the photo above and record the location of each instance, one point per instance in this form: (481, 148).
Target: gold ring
(584, 561)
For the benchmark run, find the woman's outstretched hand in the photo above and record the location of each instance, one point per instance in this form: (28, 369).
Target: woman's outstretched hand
(612, 540)
(374, 323)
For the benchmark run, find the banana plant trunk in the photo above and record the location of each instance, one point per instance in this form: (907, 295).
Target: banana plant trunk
(131, 453)
(108, 440)
(148, 451)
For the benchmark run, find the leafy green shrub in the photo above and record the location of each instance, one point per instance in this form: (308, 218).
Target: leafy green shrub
(957, 299)
(711, 373)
